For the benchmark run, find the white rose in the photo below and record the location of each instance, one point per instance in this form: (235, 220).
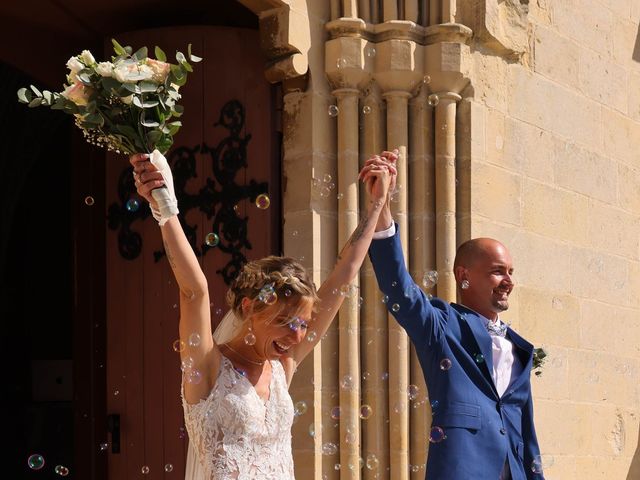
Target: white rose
(105, 69)
(87, 58)
(74, 65)
(131, 72)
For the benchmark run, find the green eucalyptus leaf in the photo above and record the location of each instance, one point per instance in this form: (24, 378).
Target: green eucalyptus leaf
(150, 103)
(128, 50)
(131, 87)
(48, 97)
(36, 91)
(84, 78)
(164, 144)
(94, 118)
(110, 84)
(137, 102)
(180, 81)
(24, 95)
(180, 57)
(154, 136)
(126, 130)
(160, 55)
(36, 102)
(140, 54)
(119, 49)
(149, 123)
(178, 110)
(187, 66)
(146, 87)
(193, 58)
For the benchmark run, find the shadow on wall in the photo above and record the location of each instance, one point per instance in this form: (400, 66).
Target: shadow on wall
(634, 470)
(636, 48)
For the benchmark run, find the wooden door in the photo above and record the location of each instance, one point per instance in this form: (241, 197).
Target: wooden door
(224, 156)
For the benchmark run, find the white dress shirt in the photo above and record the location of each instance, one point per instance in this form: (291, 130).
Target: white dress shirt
(506, 364)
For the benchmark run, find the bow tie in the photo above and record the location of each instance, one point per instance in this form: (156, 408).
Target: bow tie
(498, 328)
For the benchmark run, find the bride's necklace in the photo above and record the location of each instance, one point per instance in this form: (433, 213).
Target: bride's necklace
(242, 356)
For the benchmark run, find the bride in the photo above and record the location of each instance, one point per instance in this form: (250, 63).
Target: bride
(237, 408)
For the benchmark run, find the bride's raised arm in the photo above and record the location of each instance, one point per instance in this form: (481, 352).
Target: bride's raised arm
(377, 175)
(201, 357)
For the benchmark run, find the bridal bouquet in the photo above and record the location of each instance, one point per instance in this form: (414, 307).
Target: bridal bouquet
(127, 105)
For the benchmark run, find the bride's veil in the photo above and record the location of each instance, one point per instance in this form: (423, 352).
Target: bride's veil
(228, 327)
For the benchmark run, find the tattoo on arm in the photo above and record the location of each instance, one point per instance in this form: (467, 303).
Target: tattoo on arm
(356, 235)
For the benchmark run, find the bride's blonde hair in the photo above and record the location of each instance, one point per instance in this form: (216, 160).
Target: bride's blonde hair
(284, 276)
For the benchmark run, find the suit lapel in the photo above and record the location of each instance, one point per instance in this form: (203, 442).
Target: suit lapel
(524, 350)
(482, 339)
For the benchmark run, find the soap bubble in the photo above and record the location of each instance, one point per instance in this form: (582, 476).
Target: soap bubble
(436, 435)
(430, 279)
(263, 201)
(35, 461)
(212, 239)
(132, 205)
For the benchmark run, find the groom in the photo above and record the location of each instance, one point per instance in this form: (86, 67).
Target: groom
(477, 369)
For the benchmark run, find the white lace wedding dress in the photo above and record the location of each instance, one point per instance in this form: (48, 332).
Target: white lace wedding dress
(235, 434)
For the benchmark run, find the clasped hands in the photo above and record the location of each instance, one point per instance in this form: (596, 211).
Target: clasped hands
(147, 177)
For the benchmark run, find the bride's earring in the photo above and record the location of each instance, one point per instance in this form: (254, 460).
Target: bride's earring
(465, 284)
(250, 338)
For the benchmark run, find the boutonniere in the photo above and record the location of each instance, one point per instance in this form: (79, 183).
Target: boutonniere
(539, 356)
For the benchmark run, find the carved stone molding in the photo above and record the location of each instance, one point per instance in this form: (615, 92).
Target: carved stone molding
(501, 26)
(284, 36)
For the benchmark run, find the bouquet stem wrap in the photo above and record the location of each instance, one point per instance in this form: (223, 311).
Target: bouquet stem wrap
(164, 196)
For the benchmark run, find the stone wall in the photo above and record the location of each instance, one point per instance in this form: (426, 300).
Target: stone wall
(554, 158)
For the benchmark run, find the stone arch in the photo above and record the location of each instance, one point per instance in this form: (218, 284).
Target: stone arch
(284, 37)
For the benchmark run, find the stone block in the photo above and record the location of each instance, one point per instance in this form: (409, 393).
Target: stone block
(621, 136)
(586, 22)
(555, 56)
(496, 193)
(602, 80)
(547, 317)
(543, 263)
(549, 106)
(554, 212)
(586, 172)
(596, 318)
(613, 230)
(597, 275)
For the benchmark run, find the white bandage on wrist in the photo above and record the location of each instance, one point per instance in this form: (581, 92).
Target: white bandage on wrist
(165, 196)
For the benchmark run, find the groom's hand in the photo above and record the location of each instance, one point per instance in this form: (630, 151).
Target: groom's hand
(385, 159)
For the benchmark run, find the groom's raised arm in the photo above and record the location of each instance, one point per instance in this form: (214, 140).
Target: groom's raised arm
(421, 318)
(404, 299)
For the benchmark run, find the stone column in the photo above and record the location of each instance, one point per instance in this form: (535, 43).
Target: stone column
(445, 171)
(347, 75)
(422, 259)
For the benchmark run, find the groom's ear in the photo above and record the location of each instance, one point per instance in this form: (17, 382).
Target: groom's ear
(460, 274)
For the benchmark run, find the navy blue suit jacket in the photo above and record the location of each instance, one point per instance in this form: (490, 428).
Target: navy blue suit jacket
(483, 430)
